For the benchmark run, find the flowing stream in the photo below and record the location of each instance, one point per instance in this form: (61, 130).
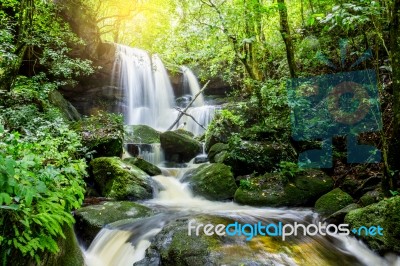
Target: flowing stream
(124, 243)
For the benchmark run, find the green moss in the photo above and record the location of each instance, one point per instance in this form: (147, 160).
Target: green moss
(386, 214)
(216, 150)
(120, 181)
(147, 167)
(141, 134)
(212, 181)
(276, 190)
(90, 219)
(333, 201)
(371, 197)
(179, 147)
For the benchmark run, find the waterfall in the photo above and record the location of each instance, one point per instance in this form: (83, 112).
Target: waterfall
(148, 93)
(190, 80)
(146, 86)
(151, 153)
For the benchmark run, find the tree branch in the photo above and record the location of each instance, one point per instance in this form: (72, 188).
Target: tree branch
(187, 107)
(189, 115)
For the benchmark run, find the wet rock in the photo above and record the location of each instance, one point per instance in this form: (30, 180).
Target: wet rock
(144, 165)
(333, 201)
(179, 147)
(141, 134)
(212, 181)
(200, 159)
(91, 219)
(119, 180)
(386, 214)
(277, 190)
(338, 217)
(215, 151)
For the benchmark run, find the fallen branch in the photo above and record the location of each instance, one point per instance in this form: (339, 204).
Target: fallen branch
(187, 107)
(189, 115)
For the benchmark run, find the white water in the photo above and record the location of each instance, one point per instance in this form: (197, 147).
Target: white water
(152, 153)
(146, 85)
(149, 97)
(116, 247)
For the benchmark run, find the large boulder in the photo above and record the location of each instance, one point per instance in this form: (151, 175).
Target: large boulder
(212, 181)
(141, 134)
(277, 190)
(102, 133)
(121, 181)
(144, 165)
(248, 157)
(179, 147)
(91, 219)
(333, 202)
(386, 214)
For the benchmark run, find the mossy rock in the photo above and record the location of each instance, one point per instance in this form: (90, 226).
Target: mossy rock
(215, 152)
(338, 217)
(212, 181)
(184, 132)
(259, 157)
(102, 133)
(333, 201)
(118, 180)
(179, 147)
(144, 165)
(386, 214)
(91, 219)
(277, 190)
(371, 197)
(141, 134)
(67, 109)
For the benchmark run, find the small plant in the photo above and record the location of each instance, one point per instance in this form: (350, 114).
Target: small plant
(245, 184)
(394, 193)
(289, 169)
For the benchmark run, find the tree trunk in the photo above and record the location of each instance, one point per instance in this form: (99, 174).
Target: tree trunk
(287, 38)
(394, 147)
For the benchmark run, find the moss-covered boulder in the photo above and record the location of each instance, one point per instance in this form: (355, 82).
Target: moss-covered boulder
(179, 147)
(333, 201)
(386, 214)
(118, 180)
(144, 165)
(90, 219)
(277, 190)
(371, 197)
(217, 151)
(212, 181)
(248, 157)
(141, 134)
(102, 133)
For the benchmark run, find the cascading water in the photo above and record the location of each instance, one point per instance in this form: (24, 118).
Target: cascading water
(146, 86)
(149, 94)
(124, 243)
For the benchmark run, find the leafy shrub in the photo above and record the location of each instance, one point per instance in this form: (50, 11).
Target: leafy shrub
(40, 183)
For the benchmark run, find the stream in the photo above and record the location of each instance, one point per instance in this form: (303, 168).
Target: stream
(125, 242)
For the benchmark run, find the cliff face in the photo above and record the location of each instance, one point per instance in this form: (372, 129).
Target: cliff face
(94, 92)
